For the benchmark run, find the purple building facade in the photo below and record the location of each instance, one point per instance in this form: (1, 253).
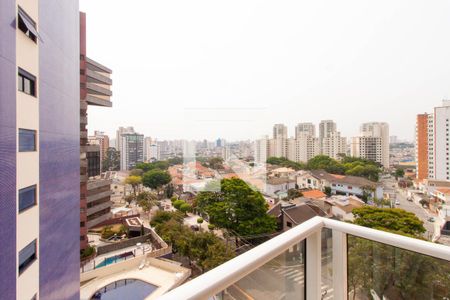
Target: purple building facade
(58, 150)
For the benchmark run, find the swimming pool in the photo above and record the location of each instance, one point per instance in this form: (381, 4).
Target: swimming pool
(129, 289)
(114, 259)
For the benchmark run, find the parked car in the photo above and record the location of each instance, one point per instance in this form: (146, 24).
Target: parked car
(409, 199)
(431, 219)
(397, 202)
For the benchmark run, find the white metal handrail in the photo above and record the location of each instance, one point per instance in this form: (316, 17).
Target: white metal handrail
(218, 279)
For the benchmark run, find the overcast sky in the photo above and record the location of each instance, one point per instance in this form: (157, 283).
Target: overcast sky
(231, 69)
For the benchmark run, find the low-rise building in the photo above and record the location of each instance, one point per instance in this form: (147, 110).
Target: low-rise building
(343, 206)
(275, 186)
(340, 184)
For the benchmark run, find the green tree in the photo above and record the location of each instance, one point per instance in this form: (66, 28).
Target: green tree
(389, 271)
(399, 173)
(162, 217)
(237, 208)
(389, 219)
(111, 161)
(135, 182)
(284, 162)
(177, 204)
(216, 254)
(185, 208)
(156, 178)
(293, 193)
(327, 191)
(129, 198)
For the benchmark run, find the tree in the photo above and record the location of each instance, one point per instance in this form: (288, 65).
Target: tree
(327, 191)
(135, 182)
(162, 217)
(217, 254)
(284, 162)
(136, 172)
(237, 208)
(185, 208)
(156, 178)
(389, 219)
(399, 173)
(169, 190)
(392, 271)
(145, 167)
(294, 193)
(111, 161)
(177, 203)
(130, 198)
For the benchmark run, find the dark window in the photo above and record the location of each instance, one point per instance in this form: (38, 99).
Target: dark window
(27, 197)
(82, 224)
(81, 238)
(27, 256)
(27, 25)
(26, 82)
(27, 140)
(289, 224)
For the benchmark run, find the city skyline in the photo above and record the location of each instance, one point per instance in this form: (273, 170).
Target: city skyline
(208, 81)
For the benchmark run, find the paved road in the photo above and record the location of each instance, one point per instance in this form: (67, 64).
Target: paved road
(390, 186)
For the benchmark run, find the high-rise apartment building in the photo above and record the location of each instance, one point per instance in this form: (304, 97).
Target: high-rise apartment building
(308, 129)
(262, 150)
(303, 148)
(151, 150)
(39, 150)
(373, 143)
(132, 150)
(432, 143)
(334, 145)
(95, 90)
(326, 128)
(280, 131)
(119, 132)
(101, 139)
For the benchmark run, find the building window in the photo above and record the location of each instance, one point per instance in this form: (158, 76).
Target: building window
(289, 224)
(82, 224)
(27, 256)
(27, 197)
(27, 25)
(27, 140)
(26, 82)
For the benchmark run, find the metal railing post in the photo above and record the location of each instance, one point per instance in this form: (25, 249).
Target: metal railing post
(340, 283)
(314, 266)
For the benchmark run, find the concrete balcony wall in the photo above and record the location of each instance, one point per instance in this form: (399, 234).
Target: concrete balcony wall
(100, 219)
(99, 207)
(94, 197)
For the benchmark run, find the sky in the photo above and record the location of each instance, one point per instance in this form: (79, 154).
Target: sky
(203, 69)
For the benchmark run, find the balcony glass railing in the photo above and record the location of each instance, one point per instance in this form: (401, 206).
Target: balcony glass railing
(327, 259)
(380, 270)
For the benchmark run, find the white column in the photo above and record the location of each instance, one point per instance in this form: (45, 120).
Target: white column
(339, 265)
(313, 266)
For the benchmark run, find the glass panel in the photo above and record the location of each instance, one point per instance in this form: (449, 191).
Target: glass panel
(27, 197)
(379, 271)
(20, 82)
(27, 140)
(281, 278)
(27, 255)
(327, 264)
(27, 86)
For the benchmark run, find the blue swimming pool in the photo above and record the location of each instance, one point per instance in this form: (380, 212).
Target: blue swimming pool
(129, 289)
(114, 259)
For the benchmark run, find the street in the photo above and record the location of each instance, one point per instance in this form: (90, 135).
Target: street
(390, 187)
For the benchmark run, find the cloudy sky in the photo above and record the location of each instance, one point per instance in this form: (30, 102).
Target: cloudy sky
(206, 69)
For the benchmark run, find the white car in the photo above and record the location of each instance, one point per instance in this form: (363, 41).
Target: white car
(397, 202)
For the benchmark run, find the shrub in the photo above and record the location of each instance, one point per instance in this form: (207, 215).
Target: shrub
(87, 252)
(200, 220)
(177, 204)
(185, 207)
(211, 227)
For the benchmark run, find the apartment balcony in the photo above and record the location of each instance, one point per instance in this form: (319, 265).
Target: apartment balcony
(98, 196)
(92, 210)
(95, 89)
(97, 77)
(96, 66)
(328, 259)
(97, 101)
(98, 220)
